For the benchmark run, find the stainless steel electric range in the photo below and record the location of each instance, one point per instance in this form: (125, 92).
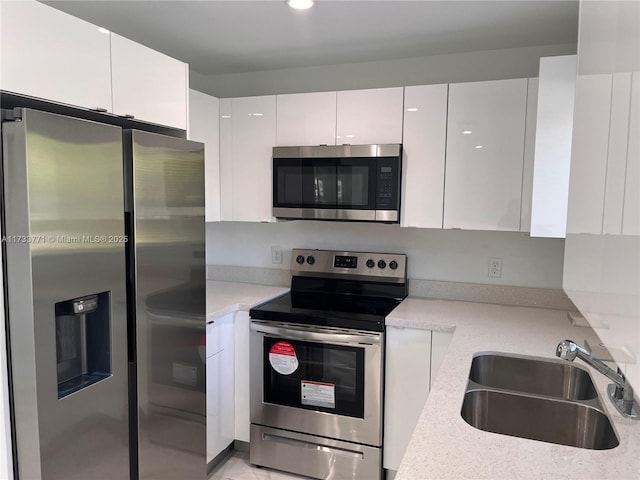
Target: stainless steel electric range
(317, 363)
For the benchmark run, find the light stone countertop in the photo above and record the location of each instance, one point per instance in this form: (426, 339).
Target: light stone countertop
(444, 446)
(228, 297)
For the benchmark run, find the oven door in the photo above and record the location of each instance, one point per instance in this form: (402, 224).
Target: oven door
(317, 380)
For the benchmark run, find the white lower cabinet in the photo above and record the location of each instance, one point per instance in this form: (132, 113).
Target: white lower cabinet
(407, 369)
(241, 356)
(412, 360)
(220, 385)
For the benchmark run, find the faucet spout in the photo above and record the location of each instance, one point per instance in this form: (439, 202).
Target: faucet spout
(621, 393)
(569, 350)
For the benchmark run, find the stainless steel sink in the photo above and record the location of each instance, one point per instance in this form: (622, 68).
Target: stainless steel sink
(536, 418)
(538, 399)
(528, 375)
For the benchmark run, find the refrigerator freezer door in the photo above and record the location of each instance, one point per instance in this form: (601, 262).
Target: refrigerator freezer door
(64, 241)
(166, 202)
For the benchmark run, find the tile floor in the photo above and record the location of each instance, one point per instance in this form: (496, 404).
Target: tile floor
(237, 467)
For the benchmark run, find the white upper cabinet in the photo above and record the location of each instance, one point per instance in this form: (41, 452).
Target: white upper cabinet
(247, 137)
(556, 92)
(48, 54)
(485, 148)
(148, 85)
(306, 119)
(204, 126)
(369, 116)
(423, 143)
(589, 153)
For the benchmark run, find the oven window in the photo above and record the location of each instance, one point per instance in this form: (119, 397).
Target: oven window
(327, 378)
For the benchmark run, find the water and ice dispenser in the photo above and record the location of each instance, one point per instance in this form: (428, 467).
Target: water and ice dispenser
(83, 342)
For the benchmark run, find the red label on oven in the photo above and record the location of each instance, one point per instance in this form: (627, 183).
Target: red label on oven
(282, 357)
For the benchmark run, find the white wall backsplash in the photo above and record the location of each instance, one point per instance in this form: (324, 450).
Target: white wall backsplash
(444, 255)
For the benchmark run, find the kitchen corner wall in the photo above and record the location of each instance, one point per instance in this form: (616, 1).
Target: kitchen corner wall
(442, 255)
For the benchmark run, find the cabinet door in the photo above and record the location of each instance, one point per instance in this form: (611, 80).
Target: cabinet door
(241, 381)
(204, 126)
(214, 402)
(149, 85)
(49, 54)
(369, 116)
(589, 151)
(407, 369)
(554, 126)
(423, 144)
(439, 345)
(631, 213)
(253, 137)
(220, 385)
(529, 154)
(485, 148)
(226, 160)
(306, 119)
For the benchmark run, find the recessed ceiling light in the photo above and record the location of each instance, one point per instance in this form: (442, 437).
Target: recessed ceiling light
(467, 132)
(478, 146)
(412, 109)
(300, 4)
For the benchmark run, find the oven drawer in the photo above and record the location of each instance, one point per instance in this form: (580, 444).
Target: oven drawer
(314, 457)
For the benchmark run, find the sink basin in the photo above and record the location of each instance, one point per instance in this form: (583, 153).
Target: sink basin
(545, 419)
(530, 375)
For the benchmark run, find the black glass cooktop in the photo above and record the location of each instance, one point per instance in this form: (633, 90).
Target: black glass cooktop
(333, 303)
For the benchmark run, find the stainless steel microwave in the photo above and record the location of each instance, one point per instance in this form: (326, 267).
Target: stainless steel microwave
(347, 182)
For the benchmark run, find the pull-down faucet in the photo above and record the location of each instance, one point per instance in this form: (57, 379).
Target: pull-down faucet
(620, 392)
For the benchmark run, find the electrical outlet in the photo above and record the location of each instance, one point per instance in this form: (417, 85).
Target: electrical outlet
(276, 255)
(495, 267)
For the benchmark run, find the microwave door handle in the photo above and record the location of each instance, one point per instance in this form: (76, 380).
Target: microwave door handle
(316, 336)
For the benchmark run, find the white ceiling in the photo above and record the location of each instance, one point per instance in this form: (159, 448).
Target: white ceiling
(217, 37)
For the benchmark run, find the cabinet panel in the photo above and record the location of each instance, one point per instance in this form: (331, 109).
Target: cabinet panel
(220, 385)
(253, 138)
(369, 116)
(52, 55)
(589, 153)
(485, 148)
(423, 142)
(149, 85)
(204, 126)
(241, 381)
(554, 127)
(439, 345)
(614, 190)
(631, 216)
(407, 369)
(226, 160)
(306, 119)
(529, 154)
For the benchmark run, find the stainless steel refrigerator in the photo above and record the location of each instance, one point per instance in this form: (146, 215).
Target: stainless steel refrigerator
(103, 237)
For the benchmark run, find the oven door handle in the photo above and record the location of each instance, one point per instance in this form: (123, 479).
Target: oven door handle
(318, 335)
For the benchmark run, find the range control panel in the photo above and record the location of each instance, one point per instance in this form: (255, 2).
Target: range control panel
(391, 266)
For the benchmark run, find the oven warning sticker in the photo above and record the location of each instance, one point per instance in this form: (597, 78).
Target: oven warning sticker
(282, 358)
(318, 394)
